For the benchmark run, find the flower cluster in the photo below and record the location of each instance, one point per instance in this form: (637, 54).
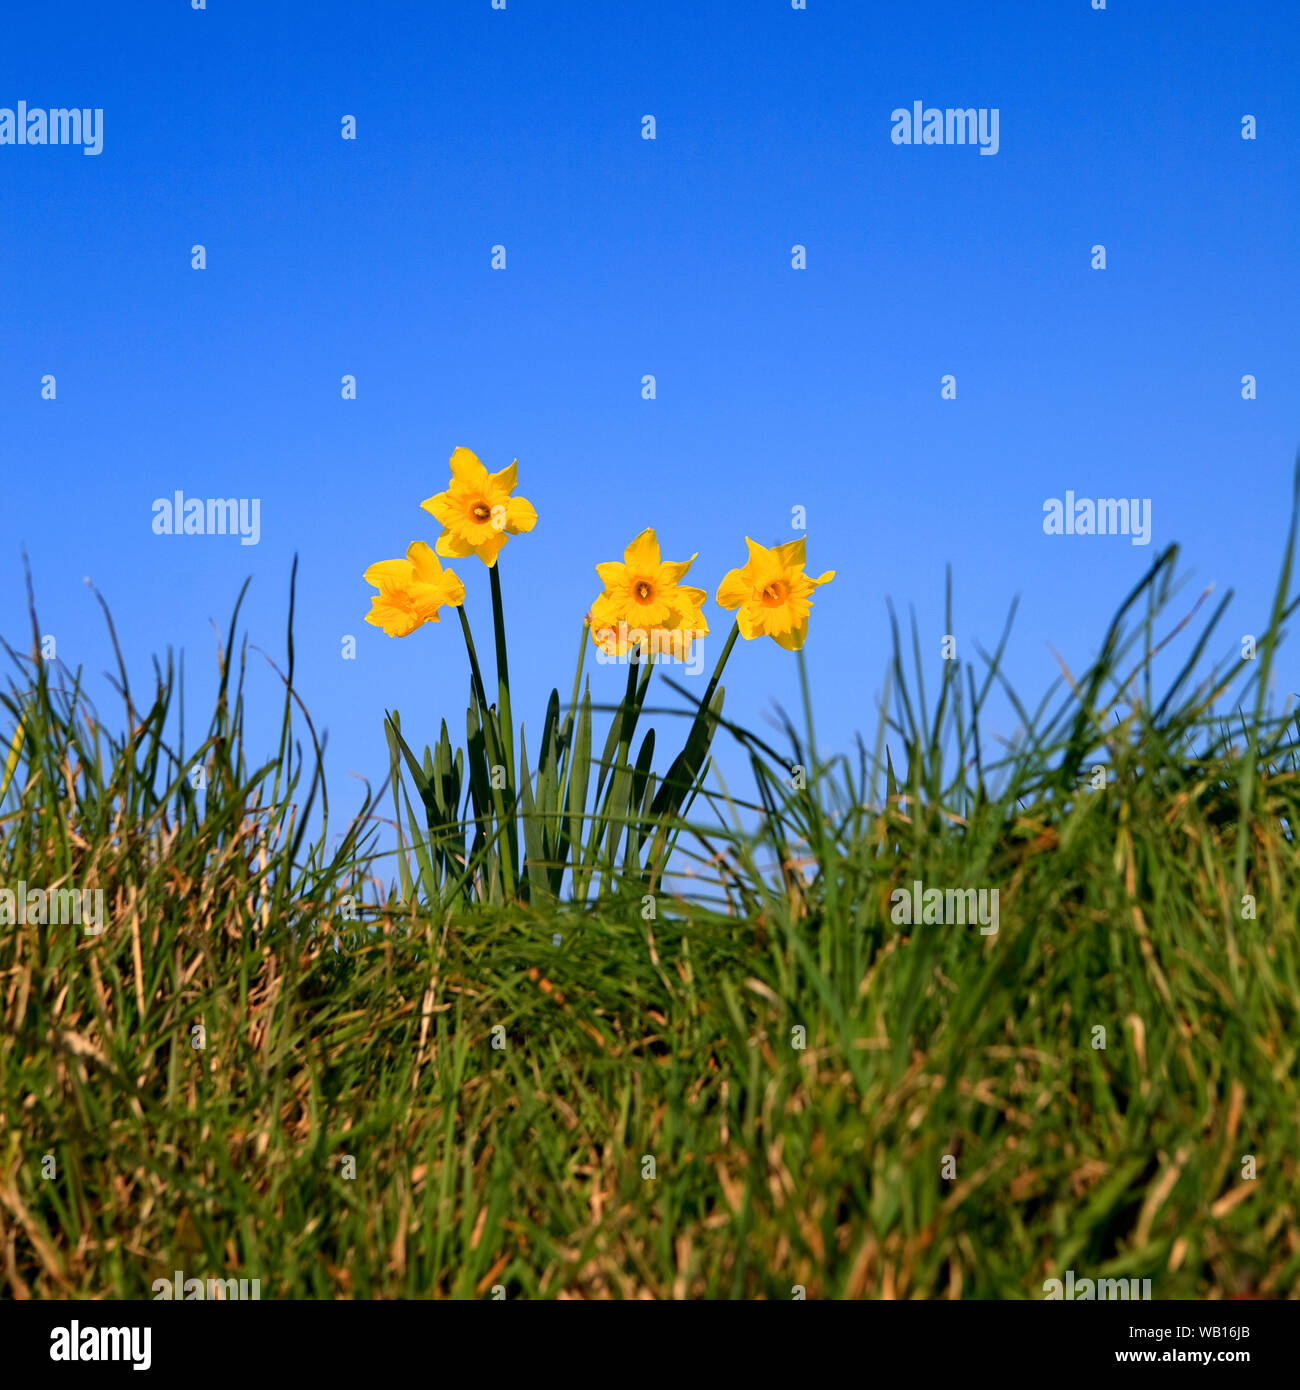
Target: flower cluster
(643, 603)
(477, 513)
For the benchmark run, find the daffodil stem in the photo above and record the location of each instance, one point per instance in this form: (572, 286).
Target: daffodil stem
(717, 670)
(627, 724)
(505, 719)
(808, 717)
(686, 767)
(475, 674)
(503, 672)
(577, 682)
(629, 712)
(503, 804)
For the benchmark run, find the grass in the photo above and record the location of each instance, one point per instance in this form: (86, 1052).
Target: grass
(420, 1098)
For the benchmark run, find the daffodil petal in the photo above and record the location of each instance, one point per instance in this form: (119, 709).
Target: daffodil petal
(757, 553)
(490, 548)
(387, 573)
(454, 589)
(734, 590)
(424, 562)
(675, 569)
(451, 547)
(791, 554)
(520, 515)
(506, 479)
(441, 507)
(466, 468)
(643, 553)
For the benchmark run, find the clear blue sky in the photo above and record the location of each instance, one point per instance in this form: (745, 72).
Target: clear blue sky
(776, 388)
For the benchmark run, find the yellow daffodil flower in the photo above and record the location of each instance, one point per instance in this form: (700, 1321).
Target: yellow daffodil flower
(411, 591)
(643, 603)
(477, 511)
(772, 593)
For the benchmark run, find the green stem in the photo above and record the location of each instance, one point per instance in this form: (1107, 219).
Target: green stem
(631, 708)
(686, 766)
(717, 670)
(569, 841)
(475, 674)
(577, 682)
(601, 827)
(505, 719)
(813, 765)
(503, 670)
(494, 757)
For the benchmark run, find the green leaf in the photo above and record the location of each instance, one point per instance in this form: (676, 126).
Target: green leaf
(576, 792)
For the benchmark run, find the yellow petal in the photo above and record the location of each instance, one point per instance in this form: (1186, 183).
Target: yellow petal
(826, 578)
(490, 548)
(454, 587)
(757, 553)
(451, 547)
(612, 573)
(734, 590)
(388, 573)
(602, 610)
(506, 479)
(520, 515)
(675, 569)
(395, 619)
(440, 506)
(793, 640)
(424, 562)
(791, 554)
(465, 468)
(643, 553)
(749, 628)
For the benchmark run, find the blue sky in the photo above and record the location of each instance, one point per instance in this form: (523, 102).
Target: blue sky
(776, 388)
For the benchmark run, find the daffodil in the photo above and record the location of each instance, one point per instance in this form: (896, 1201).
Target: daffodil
(773, 593)
(411, 591)
(645, 605)
(477, 511)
